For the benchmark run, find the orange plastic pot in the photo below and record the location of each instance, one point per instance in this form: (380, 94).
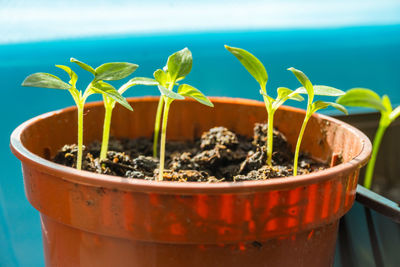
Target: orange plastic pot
(97, 220)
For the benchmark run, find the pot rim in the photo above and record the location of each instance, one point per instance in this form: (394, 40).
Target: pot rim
(139, 185)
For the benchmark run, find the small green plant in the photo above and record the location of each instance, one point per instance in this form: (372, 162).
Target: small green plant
(166, 80)
(107, 71)
(312, 107)
(254, 66)
(109, 104)
(178, 67)
(362, 97)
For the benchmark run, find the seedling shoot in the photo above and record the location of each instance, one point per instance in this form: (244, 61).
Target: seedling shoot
(362, 97)
(109, 105)
(312, 107)
(178, 67)
(254, 66)
(108, 71)
(161, 77)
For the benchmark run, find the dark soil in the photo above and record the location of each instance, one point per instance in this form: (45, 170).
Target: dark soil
(219, 155)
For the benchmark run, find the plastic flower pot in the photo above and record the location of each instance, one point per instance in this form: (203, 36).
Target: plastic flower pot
(97, 220)
(370, 232)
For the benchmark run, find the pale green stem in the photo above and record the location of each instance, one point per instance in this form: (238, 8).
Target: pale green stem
(157, 125)
(163, 139)
(270, 136)
(80, 135)
(375, 148)
(296, 153)
(80, 103)
(123, 88)
(270, 129)
(106, 128)
(87, 92)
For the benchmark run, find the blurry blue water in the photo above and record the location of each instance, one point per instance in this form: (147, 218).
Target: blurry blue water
(343, 58)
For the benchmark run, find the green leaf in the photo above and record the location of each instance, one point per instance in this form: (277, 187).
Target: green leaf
(283, 95)
(296, 97)
(322, 90)
(190, 91)
(269, 101)
(284, 92)
(114, 71)
(137, 81)
(339, 107)
(168, 93)
(361, 97)
(45, 80)
(327, 90)
(72, 75)
(179, 64)
(386, 103)
(143, 81)
(263, 93)
(317, 105)
(303, 79)
(161, 77)
(83, 65)
(104, 88)
(394, 114)
(252, 64)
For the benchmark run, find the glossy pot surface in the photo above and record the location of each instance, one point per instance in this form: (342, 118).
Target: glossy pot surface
(97, 220)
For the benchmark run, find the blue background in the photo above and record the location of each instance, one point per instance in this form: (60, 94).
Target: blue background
(364, 56)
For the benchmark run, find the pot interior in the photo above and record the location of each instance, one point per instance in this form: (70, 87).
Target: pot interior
(324, 136)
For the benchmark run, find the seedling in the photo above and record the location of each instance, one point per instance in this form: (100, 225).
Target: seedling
(362, 97)
(258, 71)
(178, 66)
(109, 105)
(108, 71)
(312, 107)
(161, 77)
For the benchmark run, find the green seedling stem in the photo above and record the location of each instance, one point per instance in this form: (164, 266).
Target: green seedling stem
(178, 66)
(254, 66)
(369, 173)
(270, 137)
(312, 107)
(109, 105)
(157, 125)
(298, 143)
(167, 104)
(107, 71)
(363, 97)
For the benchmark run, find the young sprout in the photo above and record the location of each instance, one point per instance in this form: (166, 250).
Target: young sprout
(312, 107)
(362, 97)
(106, 71)
(257, 70)
(161, 77)
(165, 80)
(109, 105)
(178, 66)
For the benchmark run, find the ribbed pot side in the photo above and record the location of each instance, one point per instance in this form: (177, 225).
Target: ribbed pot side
(96, 220)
